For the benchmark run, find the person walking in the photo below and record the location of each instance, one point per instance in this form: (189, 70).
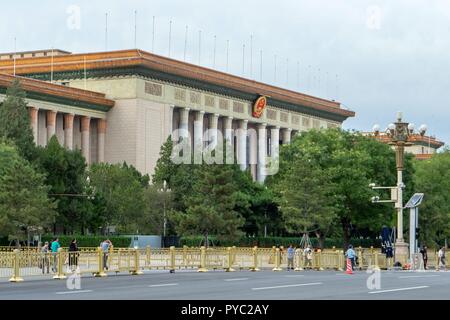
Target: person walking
(73, 254)
(441, 255)
(290, 257)
(105, 245)
(45, 261)
(424, 253)
(308, 254)
(351, 254)
(54, 248)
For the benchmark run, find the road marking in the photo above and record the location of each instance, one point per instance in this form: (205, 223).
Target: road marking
(74, 291)
(236, 279)
(404, 277)
(400, 289)
(163, 285)
(289, 285)
(296, 275)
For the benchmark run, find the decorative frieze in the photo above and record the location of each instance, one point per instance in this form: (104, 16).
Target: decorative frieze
(209, 101)
(238, 107)
(223, 104)
(180, 94)
(154, 89)
(195, 97)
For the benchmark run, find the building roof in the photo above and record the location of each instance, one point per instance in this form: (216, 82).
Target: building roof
(159, 65)
(37, 88)
(415, 139)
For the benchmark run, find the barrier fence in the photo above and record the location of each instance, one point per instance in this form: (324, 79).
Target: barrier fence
(18, 265)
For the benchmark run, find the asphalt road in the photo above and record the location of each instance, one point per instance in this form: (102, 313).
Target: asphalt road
(244, 285)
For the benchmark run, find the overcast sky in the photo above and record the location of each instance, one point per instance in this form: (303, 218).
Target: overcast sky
(376, 57)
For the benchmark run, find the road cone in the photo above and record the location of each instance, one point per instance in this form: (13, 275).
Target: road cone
(349, 267)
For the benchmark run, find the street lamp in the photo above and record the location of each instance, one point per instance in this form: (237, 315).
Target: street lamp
(399, 133)
(164, 190)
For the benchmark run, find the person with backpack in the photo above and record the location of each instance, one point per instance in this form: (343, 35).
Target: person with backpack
(308, 255)
(54, 248)
(351, 254)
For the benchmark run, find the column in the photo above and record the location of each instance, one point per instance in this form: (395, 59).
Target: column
(198, 137)
(253, 152)
(262, 152)
(101, 132)
(228, 129)
(228, 139)
(34, 122)
(170, 124)
(213, 120)
(286, 136)
(51, 124)
(184, 122)
(273, 166)
(68, 130)
(242, 144)
(85, 137)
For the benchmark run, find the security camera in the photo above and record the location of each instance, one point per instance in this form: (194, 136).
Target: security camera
(375, 199)
(372, 185)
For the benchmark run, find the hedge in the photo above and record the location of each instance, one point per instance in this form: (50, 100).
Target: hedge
(90, 241)
(195, 241)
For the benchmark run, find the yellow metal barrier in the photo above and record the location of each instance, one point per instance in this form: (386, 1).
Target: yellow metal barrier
(16, 268)
(277, 260)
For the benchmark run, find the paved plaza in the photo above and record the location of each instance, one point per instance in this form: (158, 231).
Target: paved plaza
(245, 285)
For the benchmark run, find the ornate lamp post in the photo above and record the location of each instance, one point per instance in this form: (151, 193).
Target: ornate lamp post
(399, 133)
(164, 190)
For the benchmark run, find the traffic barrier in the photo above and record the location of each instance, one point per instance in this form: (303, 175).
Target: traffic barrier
(277, 260)
(202, 260)
(255, 260)
(16, 268)
(349, 267)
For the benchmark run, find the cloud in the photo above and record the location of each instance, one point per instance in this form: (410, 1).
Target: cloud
(397, 61)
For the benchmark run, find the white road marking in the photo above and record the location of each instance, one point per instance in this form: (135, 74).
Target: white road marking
(296, 275)
(74, 291)
(404, 277)
(400, 289)
(236, 279)
(163, 285)
(289, 285)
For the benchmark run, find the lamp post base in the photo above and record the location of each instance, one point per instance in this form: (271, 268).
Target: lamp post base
(401, 252)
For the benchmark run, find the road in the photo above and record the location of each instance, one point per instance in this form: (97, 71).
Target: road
(245, 285)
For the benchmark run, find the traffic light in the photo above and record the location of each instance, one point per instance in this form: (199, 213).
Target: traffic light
(417, 233)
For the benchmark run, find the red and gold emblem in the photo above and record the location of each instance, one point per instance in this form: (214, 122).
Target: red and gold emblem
(259, 106)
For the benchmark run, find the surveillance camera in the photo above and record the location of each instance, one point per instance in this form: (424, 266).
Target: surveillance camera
(375, 199)
(372, 185)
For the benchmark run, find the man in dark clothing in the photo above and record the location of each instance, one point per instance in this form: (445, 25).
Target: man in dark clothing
(424, 253)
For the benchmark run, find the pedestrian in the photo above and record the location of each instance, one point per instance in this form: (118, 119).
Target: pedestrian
(105, 245)
(45, 261)
(351, 254)
(73, 254)
(308, 255)
(290, 257)
(441, 255)
(424, 253)
(54, 248)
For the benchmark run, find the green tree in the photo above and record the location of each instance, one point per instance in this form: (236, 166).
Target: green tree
(351, 162)
(305, 198)
(165, 169)
(433, 179)
(122, 192)
(15, 121)
(65, 174)
(24, 205)
(210, 206)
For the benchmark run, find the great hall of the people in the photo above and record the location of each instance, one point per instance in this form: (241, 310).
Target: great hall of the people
(122, 105)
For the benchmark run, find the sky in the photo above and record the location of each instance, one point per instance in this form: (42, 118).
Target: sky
(375, 57)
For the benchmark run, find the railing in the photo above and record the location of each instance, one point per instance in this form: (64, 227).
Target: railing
(19, 264)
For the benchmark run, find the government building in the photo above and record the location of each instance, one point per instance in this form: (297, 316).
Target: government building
(123, 105)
